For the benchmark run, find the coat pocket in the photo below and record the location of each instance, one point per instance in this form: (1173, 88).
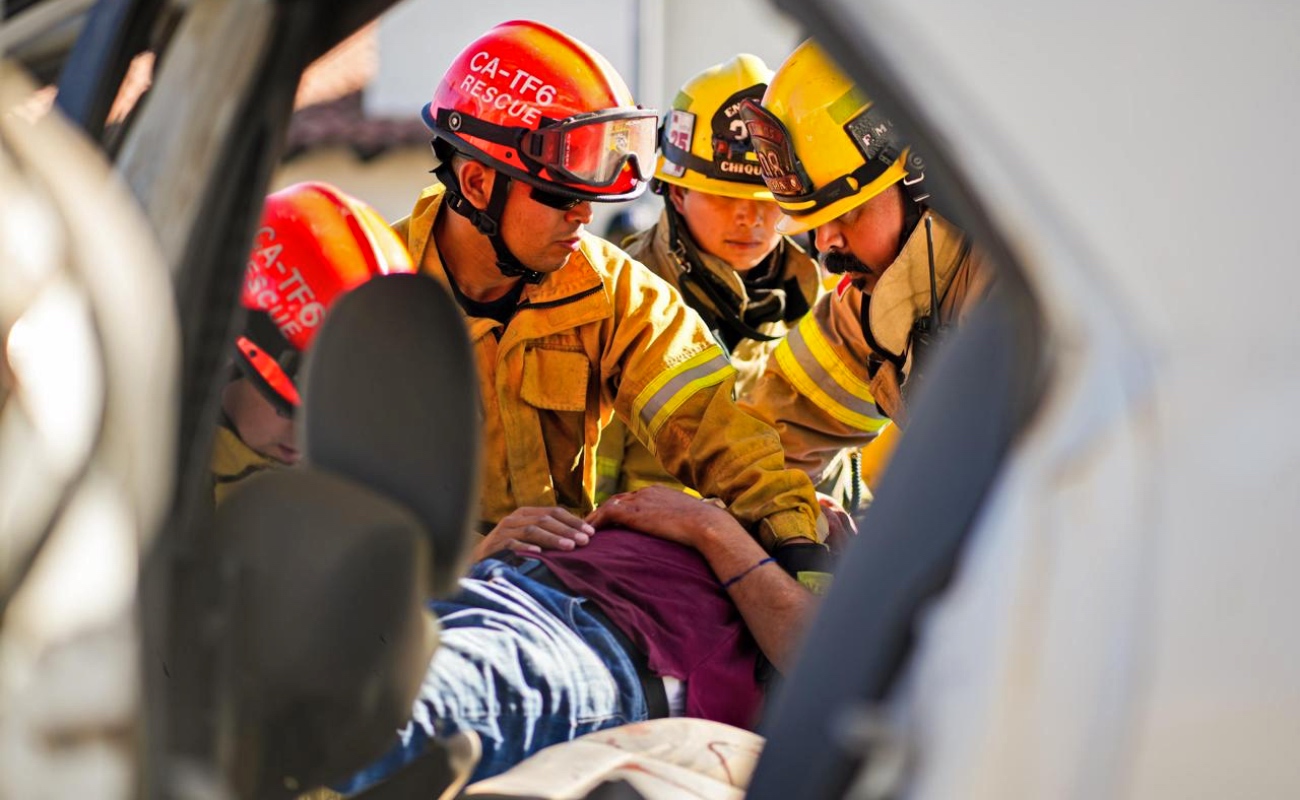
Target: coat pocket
(555, 380)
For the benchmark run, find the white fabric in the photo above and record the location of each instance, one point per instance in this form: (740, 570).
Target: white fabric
(675, 690)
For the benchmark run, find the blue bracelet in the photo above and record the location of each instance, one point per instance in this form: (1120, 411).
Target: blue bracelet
(735, 580)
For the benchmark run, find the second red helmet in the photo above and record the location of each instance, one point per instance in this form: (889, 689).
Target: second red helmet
(313, 244)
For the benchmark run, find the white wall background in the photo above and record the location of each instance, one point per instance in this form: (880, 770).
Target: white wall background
(419, 38)
(654, 44)
(700, 33)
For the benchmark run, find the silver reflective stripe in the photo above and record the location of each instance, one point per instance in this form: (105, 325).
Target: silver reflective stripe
(705, 374)
(828, 387)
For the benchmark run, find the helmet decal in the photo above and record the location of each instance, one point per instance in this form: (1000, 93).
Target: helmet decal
(678, 133)
(874, 135)
(515, 91)
(278, 288)
(731, 137)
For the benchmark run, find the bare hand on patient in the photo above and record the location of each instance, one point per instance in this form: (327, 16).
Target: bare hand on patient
(534, 529)
(668, 514)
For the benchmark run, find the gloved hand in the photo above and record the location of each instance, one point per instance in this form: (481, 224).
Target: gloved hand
(806, 561)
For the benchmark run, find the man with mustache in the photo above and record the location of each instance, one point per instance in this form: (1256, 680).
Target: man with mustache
(835, 164)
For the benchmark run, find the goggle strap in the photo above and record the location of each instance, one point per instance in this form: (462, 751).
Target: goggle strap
(465, 125)
(841, 187)
(689, 160)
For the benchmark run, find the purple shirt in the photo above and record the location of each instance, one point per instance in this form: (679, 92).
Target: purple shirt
(665, 598)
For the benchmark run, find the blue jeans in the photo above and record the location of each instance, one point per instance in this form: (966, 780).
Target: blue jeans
(520, 664)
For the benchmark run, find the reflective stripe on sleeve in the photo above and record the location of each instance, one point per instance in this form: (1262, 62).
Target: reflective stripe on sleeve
(666, 393)
(814, 369)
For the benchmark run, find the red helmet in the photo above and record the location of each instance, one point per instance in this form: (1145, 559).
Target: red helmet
(548, 110)
(314, 244)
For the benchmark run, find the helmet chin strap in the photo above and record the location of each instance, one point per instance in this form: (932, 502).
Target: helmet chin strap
(487, 221)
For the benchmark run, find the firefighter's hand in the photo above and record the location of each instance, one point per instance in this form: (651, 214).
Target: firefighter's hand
(533, 529)
(665, 513)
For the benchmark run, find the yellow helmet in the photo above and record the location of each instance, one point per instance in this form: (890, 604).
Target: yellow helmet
(704, 145)
(823, 149)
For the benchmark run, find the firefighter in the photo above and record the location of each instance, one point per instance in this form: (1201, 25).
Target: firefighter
(314, 243)
(530, 128)
(716, 243)
(835, 164)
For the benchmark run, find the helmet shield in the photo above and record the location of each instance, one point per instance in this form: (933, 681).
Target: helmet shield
(782, 171)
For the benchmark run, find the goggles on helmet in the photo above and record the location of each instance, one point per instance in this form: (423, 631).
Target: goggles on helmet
(784, 173)
(589, 149)
(594, 148)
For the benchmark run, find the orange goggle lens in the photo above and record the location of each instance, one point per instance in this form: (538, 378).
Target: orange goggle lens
(595, 151)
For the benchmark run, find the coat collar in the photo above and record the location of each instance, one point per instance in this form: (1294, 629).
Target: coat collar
(795, 263)
(902, 295)
(576, 281)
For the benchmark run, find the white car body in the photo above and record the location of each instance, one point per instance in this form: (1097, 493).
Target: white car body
(1122, 624)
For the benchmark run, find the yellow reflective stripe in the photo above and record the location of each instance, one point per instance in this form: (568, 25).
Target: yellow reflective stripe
(817, 373)
(666, 393)
(819, 583)
(634, 484)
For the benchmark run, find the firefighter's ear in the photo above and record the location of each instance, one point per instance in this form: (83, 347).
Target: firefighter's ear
(476, 181)
(677, 196)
